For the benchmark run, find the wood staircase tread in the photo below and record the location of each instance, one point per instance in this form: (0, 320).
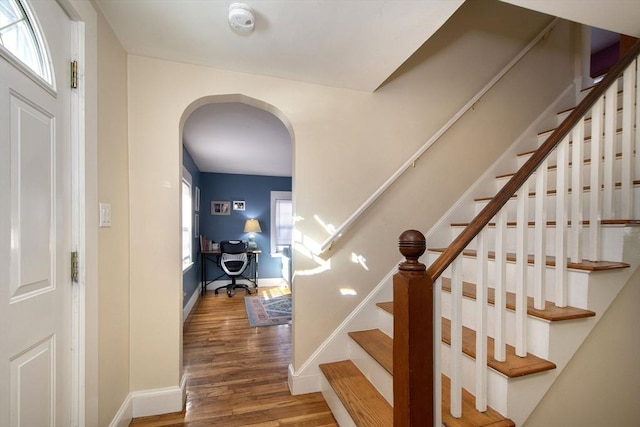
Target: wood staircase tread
(513, 367)
(470, 416)
(368, 408)
(551, 312)
(378, 344)
(363, 402)
(511, 224)
(587, 119)
(553, 167)
(386, 306)
(553, 192)
(584, 265)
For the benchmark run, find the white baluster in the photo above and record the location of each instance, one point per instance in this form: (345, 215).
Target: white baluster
(522, 262)
(481, 323)
(628, 101)
(456, 337)
(610, 102)
(595, 181)
(437, 364)
(540, 233)
(577, 160)
(562, 215)
(500, 307)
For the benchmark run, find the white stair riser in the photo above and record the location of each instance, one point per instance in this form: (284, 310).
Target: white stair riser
(586, 149)
(538, 329)
(576, 279)
(551, 205)
(385, 322)
(333, 401)
(497, 384)
(375, 373)
(565, 114)
(610, 240)
(552, 174)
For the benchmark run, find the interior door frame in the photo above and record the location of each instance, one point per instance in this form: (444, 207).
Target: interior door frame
(78, 218)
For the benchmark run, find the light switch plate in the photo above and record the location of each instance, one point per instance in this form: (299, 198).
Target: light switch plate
(105, 215)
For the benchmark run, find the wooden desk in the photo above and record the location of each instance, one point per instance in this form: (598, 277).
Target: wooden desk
(214, 256)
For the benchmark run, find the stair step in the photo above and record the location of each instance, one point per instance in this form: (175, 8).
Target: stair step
(470, 416)
(369, 409)
(513, 367)
(550, 168)
(553, 192)
(363, 402)
(378, 345)
(511, 224)
(551, 313)
(551, 261)
(386, 306)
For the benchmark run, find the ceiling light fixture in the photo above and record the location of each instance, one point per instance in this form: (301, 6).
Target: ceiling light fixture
(241, 17)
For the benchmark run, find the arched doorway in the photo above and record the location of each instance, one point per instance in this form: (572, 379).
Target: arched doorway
(235, 149)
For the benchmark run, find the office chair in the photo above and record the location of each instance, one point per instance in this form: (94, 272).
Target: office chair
(233, 261)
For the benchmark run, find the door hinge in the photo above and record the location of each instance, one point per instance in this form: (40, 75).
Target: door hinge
(74, 74)
(74, 266)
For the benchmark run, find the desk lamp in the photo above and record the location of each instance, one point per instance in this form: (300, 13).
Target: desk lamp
(252, 226)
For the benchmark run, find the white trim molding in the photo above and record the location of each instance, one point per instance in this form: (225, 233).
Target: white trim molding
(144, 403)
(191, 303)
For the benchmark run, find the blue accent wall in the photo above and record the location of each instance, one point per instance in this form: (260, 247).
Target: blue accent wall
(255, 191)
(191, 278)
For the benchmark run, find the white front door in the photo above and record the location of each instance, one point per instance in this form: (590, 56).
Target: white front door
(35, 236)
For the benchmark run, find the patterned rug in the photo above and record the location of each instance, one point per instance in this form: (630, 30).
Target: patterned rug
(270, 307)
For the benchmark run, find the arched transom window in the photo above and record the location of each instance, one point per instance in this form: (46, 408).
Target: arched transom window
(20, 37)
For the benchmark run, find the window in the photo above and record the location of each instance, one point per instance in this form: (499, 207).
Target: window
(281, 221)
(21, 38)
(187, 226)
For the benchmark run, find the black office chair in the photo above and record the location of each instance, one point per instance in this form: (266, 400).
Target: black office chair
(233, 261)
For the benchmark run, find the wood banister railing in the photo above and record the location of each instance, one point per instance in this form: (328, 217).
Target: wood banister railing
(509, 190)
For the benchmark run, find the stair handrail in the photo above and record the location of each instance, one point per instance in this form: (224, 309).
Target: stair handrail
(415, 157)
(520, 177)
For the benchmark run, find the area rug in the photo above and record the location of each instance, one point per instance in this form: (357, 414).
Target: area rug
(270, 307)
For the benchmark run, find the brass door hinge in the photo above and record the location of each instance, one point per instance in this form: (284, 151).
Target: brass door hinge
(74, 74)
(74, 266)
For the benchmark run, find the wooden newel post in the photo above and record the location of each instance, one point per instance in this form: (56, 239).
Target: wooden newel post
(412, 337)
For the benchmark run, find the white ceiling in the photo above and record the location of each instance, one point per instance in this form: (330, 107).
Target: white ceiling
(238, 138)
(352, 44)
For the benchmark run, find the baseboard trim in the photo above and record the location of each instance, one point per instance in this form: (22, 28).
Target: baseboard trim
(303, 384)
(191, 303)
(124, 415)
(159, 401)
(151, 402)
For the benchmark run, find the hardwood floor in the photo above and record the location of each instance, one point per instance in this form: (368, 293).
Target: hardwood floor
(237, 375)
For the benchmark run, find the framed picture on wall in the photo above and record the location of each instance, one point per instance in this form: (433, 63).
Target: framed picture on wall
(220, 208)
(238, 205)
(196, 225)
(196, 200)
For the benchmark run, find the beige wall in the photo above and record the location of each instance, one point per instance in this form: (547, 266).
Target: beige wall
(346, 144)
(601, 384)
(113, 242)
